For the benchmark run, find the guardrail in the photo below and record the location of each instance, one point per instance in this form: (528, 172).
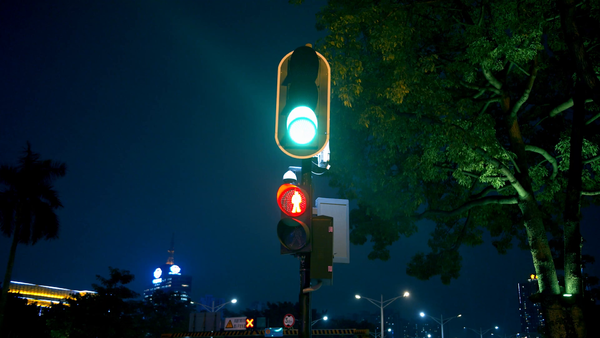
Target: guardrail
(261, 333)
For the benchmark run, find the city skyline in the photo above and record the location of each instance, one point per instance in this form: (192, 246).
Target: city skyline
(165, 117)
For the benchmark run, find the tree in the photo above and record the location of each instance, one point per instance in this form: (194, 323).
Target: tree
(27, 207)
(111, 312)
(23, 319)
(476, 115)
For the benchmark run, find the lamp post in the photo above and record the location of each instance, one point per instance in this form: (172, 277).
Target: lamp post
(215, 309)
(481, 332)
(381, 304)
(314, 321)
(441, 321)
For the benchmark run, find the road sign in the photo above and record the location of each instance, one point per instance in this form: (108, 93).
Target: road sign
(249, 323)
(289, 320)
(235, 323)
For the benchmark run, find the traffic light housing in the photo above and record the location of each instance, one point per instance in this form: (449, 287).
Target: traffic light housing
(293, 230)
(303, 91)
(321, 257)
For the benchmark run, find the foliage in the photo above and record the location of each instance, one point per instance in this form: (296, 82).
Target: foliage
(27, 207)
(29, 200)
(458, 112)
(109, 313)
(23, 320)
(114, 312)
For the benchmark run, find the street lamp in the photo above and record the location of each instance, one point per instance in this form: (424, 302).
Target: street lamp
(218, 307)
(441, 321)
(314, 321)
(381, 304)
(481, 332)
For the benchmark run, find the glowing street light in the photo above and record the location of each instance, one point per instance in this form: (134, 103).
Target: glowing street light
(481, 332)
(441, 321)
(314, 321)
(381, 304)
(218, 307)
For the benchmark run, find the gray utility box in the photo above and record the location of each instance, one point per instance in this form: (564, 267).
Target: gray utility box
(339, 209)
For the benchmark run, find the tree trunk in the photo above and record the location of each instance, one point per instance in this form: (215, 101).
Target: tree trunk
(553, 311)
(8, 275)
(572, 217)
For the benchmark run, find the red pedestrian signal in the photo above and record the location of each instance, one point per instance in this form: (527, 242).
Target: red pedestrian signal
(293, 230)
(292, 200)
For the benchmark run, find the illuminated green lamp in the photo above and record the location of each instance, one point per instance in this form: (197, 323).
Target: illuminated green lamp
(302, 125)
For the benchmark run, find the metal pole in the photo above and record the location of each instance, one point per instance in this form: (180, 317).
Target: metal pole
(381, 306)
(305, 330)
(442, 324)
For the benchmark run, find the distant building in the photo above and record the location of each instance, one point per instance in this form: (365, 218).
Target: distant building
(530, 313)
(42, 295)
(400, 327)
(168, 278)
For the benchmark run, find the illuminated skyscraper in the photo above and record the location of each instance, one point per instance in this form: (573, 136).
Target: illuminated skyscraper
(530, 312)
(169, 279)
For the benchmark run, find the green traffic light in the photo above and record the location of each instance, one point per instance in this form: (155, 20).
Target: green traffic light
(302, 125)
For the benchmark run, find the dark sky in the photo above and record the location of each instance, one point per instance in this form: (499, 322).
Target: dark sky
(164, 115)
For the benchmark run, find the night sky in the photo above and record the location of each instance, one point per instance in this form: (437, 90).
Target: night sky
(164, 113)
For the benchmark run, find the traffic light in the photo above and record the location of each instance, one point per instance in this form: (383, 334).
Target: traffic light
(303, 90)
(293, 229)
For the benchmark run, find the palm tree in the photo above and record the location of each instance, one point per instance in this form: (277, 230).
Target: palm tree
(27, 206)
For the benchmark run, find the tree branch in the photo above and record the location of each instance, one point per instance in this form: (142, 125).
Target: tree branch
(590, 193)
(521, 191)
(592, 119)
(480, 89)
(593, 159)
(484, 192)
(492, 80)
(487, 103)
(520, 68)
(496, 199)
(527, 91)
(547, 156)
(564, 106)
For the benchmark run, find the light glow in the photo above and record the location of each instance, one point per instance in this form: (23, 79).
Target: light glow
(157, 273)
(296, 200)
(291, 200)
(302, 125)
(175, 270)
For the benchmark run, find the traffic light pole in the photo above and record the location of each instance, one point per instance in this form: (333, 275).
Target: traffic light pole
(305, 330)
